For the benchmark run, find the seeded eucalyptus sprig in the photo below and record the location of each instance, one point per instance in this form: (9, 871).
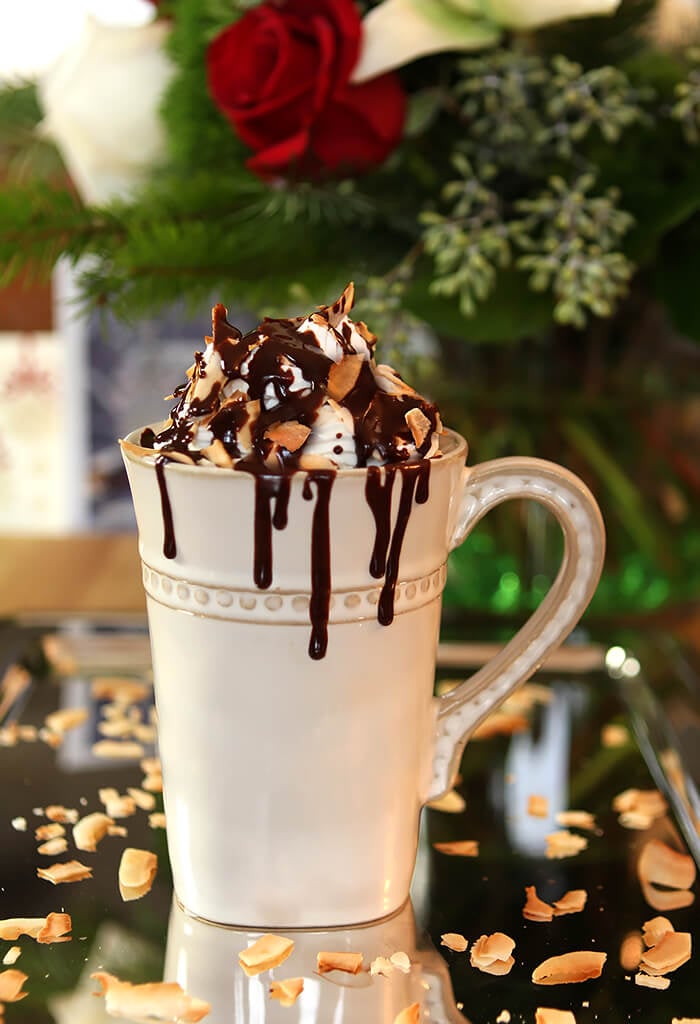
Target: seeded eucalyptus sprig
(570, 239)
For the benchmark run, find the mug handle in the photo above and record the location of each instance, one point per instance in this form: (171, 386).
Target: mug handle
(485, 486)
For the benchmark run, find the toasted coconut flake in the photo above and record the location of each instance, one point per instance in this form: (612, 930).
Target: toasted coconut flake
(90, 830)
(667, 899)
(157, 819)
(121, 689)
(349, 963)
(576, 819)
(660, 865)
(12, 956)
(151, 766)
(53, 847)
(563, 844)
(217, 454)
(419, 425)
(61, 814)
(501, 723)
(342, 376)
(19, 824)
(68, 871)
(537, 806)
(52, 831)
(536, 909)
(51, 739)
(153, 783)
(27, 733)
(655, 929)
(401, 961)
(143, 800)
(686, 1020)
(381, 965)
(265, 953)
(290, 434)
(55, 929)
(116, 728)
(496, 946)
(287, 991)
(671, 951)
(572, 902)
(66, 719)
(631, 949)
(459, 848)
(12, 927)
(117, 806)
(115, 750)
(638, 821)
(137, 870)
(637, 805)
(613, 735)
(11, 983)
(503, 1017)
(136, 450)
(156, 1000)
(569, 968)
(409, 1015)
(117, 830)
(651, 981)
(451, 802)
(454, 941)
(546, 1015)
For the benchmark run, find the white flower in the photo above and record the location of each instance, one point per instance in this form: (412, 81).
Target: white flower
(100, 101)
(397, 32)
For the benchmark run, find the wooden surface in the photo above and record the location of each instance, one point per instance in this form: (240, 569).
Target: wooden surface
(93, 574)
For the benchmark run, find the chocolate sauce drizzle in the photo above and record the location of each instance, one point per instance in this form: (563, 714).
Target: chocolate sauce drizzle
(278, 374)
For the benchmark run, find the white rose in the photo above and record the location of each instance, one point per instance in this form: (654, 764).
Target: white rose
(101, 100)
(397, 32)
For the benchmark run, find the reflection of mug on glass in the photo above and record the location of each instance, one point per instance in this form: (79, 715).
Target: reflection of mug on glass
(294, 618)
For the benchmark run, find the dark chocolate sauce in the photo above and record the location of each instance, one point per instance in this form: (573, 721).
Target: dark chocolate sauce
(378, 488)
(269, 488)
(409, 479)
(320, 602)
(169, 545)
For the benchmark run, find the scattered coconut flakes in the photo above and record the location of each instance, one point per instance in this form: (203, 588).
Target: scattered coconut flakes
(56, 928)
(500, 723)
(660, 865)
(651, 981)
(563, 844)
(686, 1020)
(503, 1017)
(409, 1015)
(576, 819)
(117, 830)
(572, 902)
(153, 783)
(655, 929)
(401, 961)
(454, 941)
(44, 929)
(125, 750)
(120, 689)
(68, 871)
(537, 806)
(265, 953)
(156, 1000)
(631, 949)
(88, 832)
(53, 847)
(143, 800)
(65, 719)
(638, 808)
(157, 819)
(671, 951)
(381, 965)
(145, 733)
(637, 821)
(546, 1015)
(350, 963)
(151, 766)
(535, 909)
(287, 990)
(51, 739)
(116, 805)
(11, 983)
(27, 733)
(12, 956)
(667, 899)
(137, 870)
(492, 953)
(569, 968)
(451, 802)
(613, 735)
(19, 824)
(64, 815)
(115, 728)
(459, 848)
(53, 831)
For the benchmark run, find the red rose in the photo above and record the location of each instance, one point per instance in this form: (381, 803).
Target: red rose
(280, 75)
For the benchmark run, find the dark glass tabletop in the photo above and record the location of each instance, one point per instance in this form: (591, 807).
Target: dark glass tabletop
(553, 741)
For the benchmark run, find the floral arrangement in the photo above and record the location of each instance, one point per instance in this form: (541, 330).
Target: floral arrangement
(522, 177)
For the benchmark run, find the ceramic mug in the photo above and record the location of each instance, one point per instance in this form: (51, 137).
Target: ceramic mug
(292, 785)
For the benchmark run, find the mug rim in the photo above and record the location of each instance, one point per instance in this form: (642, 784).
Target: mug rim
(452, 445)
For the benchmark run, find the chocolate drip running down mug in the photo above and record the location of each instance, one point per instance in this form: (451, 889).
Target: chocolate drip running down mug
(293, 784)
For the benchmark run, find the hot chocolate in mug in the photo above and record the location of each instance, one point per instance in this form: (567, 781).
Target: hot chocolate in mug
(294, 624)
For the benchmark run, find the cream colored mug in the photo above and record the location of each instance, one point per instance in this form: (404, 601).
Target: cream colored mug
(293, 784)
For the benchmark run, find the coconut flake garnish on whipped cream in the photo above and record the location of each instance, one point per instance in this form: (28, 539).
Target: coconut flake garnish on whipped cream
(302, 394)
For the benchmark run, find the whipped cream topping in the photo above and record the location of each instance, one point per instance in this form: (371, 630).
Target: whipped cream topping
(302, 393)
